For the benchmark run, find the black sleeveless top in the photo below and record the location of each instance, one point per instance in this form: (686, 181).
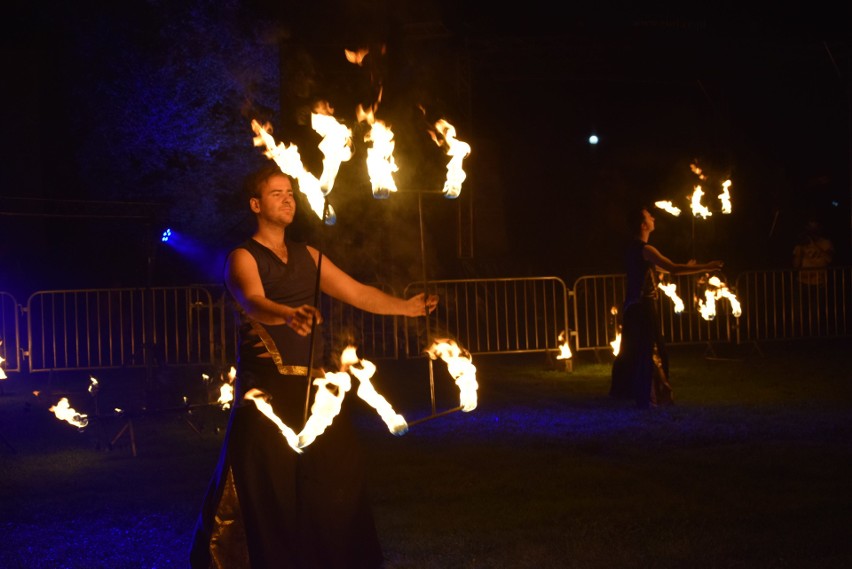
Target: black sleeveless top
(292, 283)
(641, 275)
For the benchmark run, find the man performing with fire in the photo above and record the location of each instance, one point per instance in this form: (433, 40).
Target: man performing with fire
(270, 505)
(641, 369)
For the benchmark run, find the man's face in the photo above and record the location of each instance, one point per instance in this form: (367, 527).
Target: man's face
(649, 220)
(277, 201)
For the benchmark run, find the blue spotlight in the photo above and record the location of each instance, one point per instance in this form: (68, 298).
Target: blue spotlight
(166, 234)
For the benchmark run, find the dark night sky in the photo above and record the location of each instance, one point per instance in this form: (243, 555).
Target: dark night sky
(141, 113)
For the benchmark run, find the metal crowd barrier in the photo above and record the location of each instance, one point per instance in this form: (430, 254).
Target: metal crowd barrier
(776, 305)
(375, 336)
(196, 325)
(120, 328)
(10, 338)
(598, 304)
(490, 316)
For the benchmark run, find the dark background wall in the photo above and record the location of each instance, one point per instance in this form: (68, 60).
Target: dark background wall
(122, 119)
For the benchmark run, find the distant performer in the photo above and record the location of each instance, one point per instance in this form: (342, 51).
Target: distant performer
(641, 369)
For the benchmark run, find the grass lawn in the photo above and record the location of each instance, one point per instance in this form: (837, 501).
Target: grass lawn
(751, 468)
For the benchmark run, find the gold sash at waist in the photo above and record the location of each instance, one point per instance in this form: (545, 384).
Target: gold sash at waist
(275, 354)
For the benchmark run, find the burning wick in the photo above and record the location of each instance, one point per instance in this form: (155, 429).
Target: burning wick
(715, 291)
(699, 210)
(725, 197)
(457, 151)
(667, 206)
(669, 289)
(364, 370)
(290, 162)
(264, 407)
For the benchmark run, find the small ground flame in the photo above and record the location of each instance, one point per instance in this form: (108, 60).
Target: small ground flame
(65, 412)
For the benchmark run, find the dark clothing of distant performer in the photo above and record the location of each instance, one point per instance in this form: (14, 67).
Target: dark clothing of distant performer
(641, 368)
(268, 506)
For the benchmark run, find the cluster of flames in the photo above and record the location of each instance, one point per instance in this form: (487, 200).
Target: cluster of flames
(715, 289)
(336, 147)
(697, 207)
(333, 387)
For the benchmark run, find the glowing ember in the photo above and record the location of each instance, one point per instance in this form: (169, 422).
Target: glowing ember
(725, 197)
(364, 370)
(457, 151)
(65, 412)
(380, 162)
(290, 162)
(461, 368)
(94, 386)
(356, 57)
(669, 289)
(699, 210)
(667, 206)
(264, 407)
(697, 171)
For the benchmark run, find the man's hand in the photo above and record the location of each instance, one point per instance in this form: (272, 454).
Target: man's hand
(421, 305)
(301, 319)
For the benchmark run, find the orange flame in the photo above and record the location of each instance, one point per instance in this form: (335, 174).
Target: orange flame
(290, 162)
(264, 407)
(457, 151)
(364, 370)
(331, 390)
(699, 210)
(716, 290)
(725, 196)
(670, 290)
(461, 368)
(65, 412)
(564, 347)
(336, 144)
(380, 161)
(666, 205)
(616, 343)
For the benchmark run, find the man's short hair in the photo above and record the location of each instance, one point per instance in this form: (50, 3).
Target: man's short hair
(636, 217)
(253, 182)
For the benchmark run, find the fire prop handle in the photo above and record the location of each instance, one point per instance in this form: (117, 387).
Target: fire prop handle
(314, 321)
(426, 298)
(434, 415)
